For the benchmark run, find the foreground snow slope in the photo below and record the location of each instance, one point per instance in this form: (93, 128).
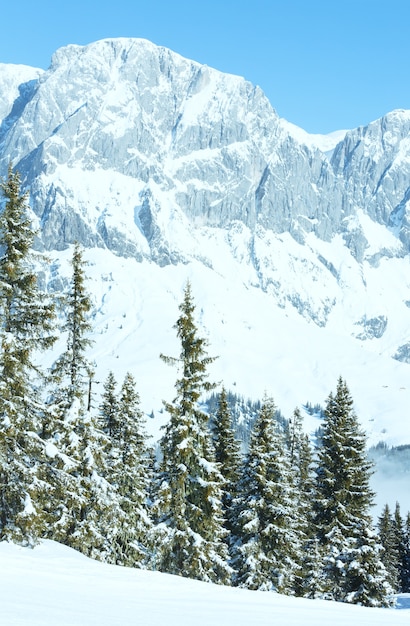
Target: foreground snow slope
(53, 585)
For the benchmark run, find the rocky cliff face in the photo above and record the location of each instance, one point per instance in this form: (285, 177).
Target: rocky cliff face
(374, 163)
(209, 141)
(130, 147)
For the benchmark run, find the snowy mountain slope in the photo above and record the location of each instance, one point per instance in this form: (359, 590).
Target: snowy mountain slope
(164, 170)
(15, 83)
(52, 584)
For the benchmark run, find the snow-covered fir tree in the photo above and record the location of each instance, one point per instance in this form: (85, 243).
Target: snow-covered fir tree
(89, 507)
(127, 465)
(228, 456)
(390, 555)
(84, 508)
(27, 326)
(309, 580)
(109, 408)
(307, 575)
(366, 580)
(266, 532)
(342, 507)
(402, 549)
(190, 485)
(72, 369)
(407, 552)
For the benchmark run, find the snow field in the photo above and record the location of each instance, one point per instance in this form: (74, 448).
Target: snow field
(53, 585)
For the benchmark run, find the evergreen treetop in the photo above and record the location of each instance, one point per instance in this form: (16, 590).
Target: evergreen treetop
(73, 368)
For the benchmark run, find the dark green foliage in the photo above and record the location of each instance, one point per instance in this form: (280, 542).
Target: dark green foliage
(26, 327)
(366, 580)
(267, 543)
(227, 447)
(402, 549)
(228, 457)
(83, 508)
(243, 415)
(309, 579)
(390, 555)
(130, 473)
(343, 471)
(109, 408)
(72, 370)
(190, 485)
(342, 508)
(301, 464)
(407, 554)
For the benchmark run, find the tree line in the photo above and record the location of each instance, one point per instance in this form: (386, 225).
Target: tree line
(284, 516)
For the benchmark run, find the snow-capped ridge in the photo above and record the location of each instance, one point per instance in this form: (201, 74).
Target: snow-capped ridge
(13, 79)
(325, 143)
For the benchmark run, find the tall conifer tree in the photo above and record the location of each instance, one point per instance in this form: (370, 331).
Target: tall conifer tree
(189, 495)
(27, 326)
(400, 544)
(267, 540)
(344, 498)
(228, 456)
(307, 574)
(84, 506)
(129, 472)
(73, 369)
(390, 555)
(407, 553)
(109, 408)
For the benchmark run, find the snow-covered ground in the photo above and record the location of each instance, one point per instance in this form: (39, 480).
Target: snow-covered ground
(53, 585)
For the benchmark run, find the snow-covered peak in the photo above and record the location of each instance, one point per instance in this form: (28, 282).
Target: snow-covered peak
(324, 143)
(112, 49)
(14, 80)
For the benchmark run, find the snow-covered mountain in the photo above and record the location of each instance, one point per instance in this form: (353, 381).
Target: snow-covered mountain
(297, 245)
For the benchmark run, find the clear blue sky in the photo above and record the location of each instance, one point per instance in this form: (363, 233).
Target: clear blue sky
(324, 64)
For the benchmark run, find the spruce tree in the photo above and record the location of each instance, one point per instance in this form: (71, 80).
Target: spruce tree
(190, 485)
(130, 474)
(109, 408)
(400, 544)
(27, 326)
(307, 574)
(390, 555)
(343, 502)
(228, 456)
(73, 369)
(366, 580)
(407, 553)
(89, 509)
(83, 507)
(267, 540)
